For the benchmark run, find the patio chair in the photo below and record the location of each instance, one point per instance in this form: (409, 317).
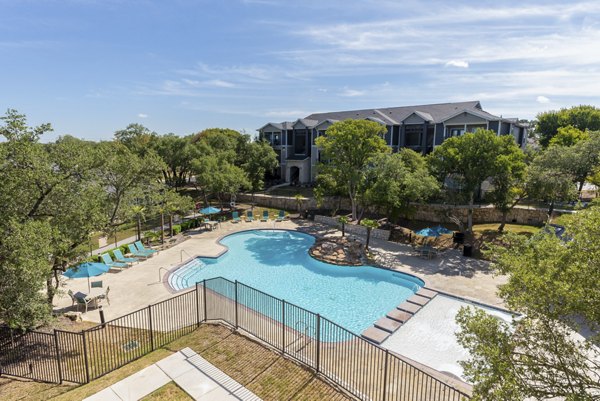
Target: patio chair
(120, 258)
(108, 261)
(133, 250)
(104, 296)
(96, 284)
(265, 216)
(249, 216)
(280, 216)
(236, 217)
(81, 301)
(140, 247)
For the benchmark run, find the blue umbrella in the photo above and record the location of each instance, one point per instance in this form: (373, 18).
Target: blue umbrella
(88, 270)
(210, 210)
(442, 230)
(428, 232)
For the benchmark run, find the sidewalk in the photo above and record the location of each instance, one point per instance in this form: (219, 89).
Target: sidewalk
(194, 374)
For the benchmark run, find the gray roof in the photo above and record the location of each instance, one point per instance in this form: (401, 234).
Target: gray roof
(437, 112)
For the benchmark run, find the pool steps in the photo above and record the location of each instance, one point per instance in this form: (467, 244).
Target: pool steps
(179, 278)
(394, 319)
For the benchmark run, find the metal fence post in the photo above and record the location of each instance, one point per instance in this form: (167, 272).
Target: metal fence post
(318, 342)
(198, 320)
(60, 376)
(283, 326)
(236, 304)
(150, 326)
(85, 358)
(204, 295)
(385, 375)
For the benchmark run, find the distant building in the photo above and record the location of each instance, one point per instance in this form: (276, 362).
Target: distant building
(420, 128)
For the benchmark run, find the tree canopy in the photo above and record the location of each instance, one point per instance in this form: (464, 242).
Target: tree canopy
(581, 118)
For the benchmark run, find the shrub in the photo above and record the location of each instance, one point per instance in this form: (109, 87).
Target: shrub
(176, 229)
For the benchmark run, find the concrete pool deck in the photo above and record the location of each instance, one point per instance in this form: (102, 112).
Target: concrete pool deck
(141, 284)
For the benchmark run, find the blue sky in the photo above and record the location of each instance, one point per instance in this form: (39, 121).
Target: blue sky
(91, 67)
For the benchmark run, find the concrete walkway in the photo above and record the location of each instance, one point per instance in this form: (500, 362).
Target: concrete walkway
(194, 374)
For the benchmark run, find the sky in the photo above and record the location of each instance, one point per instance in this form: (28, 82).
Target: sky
(91, 67)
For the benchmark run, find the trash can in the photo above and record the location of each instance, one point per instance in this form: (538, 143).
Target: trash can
(458, 238)
(467, 250)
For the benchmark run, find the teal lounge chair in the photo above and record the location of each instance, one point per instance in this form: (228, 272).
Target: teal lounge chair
(140, 247)
(249, 216)
(236, 217)
(133, 250)
(120, 258)
(265, 216)
(108, 261)
(280, 216)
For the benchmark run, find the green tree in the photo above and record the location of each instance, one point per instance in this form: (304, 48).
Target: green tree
(369, 225)
(548, 178)
(568, 136)
(471, 159)
(218, 176)
(580, 117)
(552, 283)
(178, 154)
(343, 220)
(584, 158)
(348, 147)
(136, 138)
(396, 180)
(258, 160)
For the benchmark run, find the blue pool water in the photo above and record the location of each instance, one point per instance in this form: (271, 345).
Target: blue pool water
(277, 262)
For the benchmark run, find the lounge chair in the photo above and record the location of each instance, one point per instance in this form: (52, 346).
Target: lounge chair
(108, 261)
(249, 216)
(265, 216)
(236, 217)
(210, 224)
(280, 216)
(140, 247)
(134, 251)
(120, 258)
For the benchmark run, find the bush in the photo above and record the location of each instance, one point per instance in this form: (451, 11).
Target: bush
(176, 229)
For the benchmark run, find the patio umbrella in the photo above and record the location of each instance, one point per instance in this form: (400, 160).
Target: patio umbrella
(442, 230)
(428, 232)
(210, 210)
(88, 270)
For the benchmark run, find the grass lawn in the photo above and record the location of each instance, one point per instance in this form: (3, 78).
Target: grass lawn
(292, 191)
(523, 229)
(169, 391)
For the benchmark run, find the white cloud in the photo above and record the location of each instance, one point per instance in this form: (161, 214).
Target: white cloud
(142, 115)
(351, 93)
(542, 99)
(220, 83)
(458, 63)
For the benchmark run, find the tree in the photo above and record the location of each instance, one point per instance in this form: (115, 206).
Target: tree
(548, 179)
(396, 180)
(218, 176)
(552, 283)
(584, 158)
(369, 225)
(467, 161)
(580, 117)
(136, 138)
(568, 136)
(343, 220)
(259, 158)
(178, 154)
(348, 147)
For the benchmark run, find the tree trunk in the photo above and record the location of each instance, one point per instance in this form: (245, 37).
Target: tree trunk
(170, 225)
(470, 214)
(162, 228)
(368, 238)
(50, 290)
(550, 210)
(343, 229)
(139, 228)
(503, 221)
(581, 184)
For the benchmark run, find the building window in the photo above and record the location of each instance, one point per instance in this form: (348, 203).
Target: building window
(300, 143)
(413, 135)
(276, 139)
(456, 131)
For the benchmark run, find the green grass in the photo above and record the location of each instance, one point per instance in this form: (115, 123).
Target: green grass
(169, 391)
(292, 191)
(515, 228)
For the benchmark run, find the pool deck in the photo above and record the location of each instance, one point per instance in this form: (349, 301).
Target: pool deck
(142, 284)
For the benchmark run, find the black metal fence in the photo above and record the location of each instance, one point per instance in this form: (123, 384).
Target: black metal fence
(367, 371)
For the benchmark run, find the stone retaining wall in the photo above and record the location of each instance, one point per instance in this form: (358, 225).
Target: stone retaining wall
(436, 213)
(352, 228)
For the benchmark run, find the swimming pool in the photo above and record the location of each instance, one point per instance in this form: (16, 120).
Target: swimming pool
(277, 262)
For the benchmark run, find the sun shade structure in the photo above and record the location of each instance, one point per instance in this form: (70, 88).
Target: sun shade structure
(87, 270)
(433, 231)
(210, 210)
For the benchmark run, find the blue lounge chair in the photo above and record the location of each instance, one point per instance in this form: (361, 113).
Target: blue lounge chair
(236, 217)
(265, 216)
(133, 250)
(249, 216)
(108, 261)
(140, 247)
(280, 216)
(120, 258)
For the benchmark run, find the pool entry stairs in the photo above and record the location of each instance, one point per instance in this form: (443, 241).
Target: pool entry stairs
(394, 319)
